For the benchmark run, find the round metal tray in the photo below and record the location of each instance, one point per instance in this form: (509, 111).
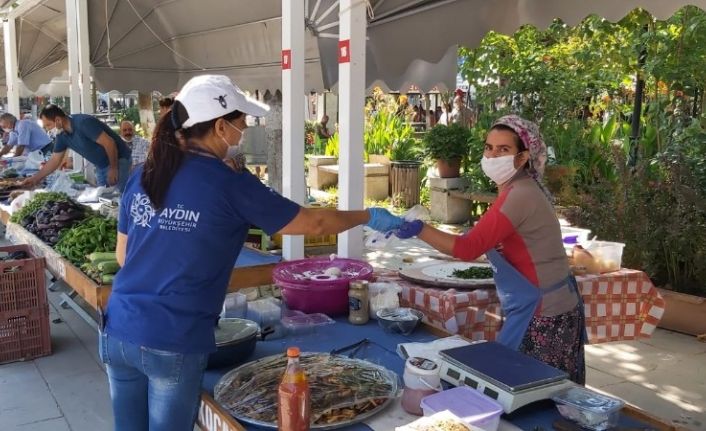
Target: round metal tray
(438, 274)
(224, 384)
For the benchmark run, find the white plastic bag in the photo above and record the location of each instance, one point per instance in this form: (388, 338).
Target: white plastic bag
(20, 201)
(380, 240)
(383, 295)
(34, 160)
(63, 184)
(90, 194)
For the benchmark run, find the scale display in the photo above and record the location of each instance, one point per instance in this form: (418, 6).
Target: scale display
(508, 376)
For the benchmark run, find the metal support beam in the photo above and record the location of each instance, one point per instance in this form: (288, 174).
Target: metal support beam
(293, 182)
(351, 85)
(11, 74)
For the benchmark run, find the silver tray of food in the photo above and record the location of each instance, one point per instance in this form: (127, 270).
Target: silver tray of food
(343, 391)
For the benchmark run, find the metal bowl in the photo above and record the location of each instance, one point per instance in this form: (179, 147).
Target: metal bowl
(400, 320)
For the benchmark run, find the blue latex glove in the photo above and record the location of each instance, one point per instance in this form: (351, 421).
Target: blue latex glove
(382, 221)
(409, 229)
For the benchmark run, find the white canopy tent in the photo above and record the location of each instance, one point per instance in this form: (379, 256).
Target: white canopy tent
(159, 44)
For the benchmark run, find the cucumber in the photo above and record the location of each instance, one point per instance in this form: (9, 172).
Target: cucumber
(97, 257)
(109, 267)
(107, 279)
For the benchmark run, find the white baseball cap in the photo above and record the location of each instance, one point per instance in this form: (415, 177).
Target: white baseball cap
(206, 97)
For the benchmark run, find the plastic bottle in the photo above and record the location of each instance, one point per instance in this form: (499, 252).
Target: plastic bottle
(421, 379)
(293, 402)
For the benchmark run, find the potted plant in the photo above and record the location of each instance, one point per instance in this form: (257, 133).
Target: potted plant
(405, 156)
(449, 146)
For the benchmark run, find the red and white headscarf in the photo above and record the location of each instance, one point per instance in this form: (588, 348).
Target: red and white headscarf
(532, 139)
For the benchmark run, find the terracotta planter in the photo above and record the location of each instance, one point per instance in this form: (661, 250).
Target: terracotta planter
(683, 313)
(449, 168)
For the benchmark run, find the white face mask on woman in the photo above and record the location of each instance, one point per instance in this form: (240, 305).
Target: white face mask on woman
(242, 132)
(499, 169)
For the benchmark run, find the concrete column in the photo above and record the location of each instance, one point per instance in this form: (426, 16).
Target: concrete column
(273, 138)
(84, 53)
(293, 51)
(11, 74)
(72, 44)
(351, 85)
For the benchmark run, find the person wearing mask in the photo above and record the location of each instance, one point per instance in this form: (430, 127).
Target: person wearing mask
(322, 129)
(24, 135)
(165, 104)
(521, 237)
(90, 138)
(138, 145)
(189, 211)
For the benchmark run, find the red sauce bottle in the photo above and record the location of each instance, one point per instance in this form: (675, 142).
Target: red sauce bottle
(294, 402)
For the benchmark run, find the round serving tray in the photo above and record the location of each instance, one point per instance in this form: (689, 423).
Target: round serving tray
(247, 373)
(438, 274)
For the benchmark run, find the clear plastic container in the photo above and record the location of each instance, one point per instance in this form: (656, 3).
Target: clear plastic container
(300, 324)
(588, 408)
(471, 406)
(574, 235)
(235, 306)
(267, 313)
(607, 255)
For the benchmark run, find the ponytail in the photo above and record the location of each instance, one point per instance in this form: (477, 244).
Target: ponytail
(163, 161)
(167, 152)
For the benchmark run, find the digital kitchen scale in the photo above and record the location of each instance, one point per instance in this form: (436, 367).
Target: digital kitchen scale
(510, 377)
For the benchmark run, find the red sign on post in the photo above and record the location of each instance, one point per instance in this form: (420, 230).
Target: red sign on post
(344, 51)
(286, 59)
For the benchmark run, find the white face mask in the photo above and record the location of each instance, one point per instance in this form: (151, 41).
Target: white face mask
(242, 132)
(499, 169)
(232, 152)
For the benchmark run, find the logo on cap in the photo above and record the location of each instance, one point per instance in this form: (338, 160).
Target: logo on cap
(222, 100)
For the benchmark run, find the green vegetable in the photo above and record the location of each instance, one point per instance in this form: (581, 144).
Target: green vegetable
(107, 279)
(98, 257)
(109, 267)
(473, 272)
(36, 203)
(95, 234)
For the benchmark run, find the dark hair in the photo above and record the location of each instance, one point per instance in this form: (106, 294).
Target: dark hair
(51, 111)
(167, 151)
(518, 141)
(166, 102)
(9, 117)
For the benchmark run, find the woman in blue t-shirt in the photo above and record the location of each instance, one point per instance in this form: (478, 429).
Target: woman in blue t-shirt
(184, 217)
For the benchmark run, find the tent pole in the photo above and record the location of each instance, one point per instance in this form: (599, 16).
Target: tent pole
(84, 76)
(13, 93)
(351, 84)
(293, 51)
(72, 45)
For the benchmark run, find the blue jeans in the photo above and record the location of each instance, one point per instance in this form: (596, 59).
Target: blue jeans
(124, 166)
(152, 390)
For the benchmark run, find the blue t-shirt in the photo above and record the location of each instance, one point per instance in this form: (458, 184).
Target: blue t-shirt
(179, 259)
(85, 129)
(28, 134)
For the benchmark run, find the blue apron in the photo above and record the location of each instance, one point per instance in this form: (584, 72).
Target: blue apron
(519, 300)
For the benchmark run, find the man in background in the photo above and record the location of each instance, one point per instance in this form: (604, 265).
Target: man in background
(322, 129)
(139, 145)
(24, 135)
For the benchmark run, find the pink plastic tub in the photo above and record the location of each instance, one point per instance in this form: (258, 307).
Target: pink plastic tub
(306, 287)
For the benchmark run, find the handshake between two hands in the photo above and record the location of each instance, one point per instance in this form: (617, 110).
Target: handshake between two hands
(382, 220)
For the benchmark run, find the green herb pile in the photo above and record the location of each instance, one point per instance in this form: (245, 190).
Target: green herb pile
(36, 203)
(473, 272)
(95, 234)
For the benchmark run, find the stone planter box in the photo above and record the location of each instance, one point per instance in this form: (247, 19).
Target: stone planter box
(683, 313)
(445, 207)
(377, 179)
(320, 179)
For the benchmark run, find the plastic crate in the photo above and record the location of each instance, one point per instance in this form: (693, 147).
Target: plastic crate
(309, 241)
(22, 282)
(24, 335)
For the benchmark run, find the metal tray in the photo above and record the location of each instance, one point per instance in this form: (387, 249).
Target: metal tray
(438, 274)
(223, 384)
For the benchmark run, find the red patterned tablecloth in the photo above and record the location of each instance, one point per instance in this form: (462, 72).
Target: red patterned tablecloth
(622, 305)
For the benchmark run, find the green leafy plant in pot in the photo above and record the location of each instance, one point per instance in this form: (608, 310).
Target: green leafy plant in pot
(449, 146)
